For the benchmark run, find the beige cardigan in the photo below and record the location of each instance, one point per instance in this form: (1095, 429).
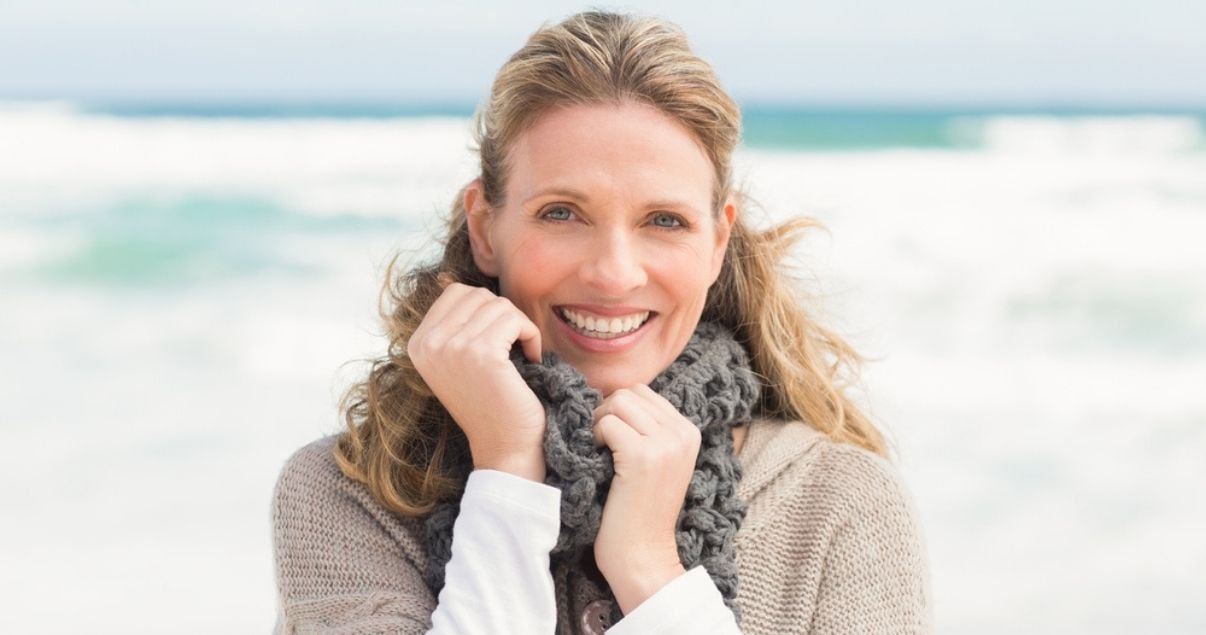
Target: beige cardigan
(830, 544)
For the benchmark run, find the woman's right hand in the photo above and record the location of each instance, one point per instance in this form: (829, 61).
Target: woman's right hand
(462, 350)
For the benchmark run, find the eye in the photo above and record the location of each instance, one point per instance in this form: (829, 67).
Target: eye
(667, 221)
(558, 212)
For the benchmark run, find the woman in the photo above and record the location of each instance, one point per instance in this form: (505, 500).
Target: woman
(604, 406)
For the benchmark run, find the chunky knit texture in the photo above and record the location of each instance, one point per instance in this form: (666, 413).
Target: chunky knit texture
(711, 384)
(830, 545)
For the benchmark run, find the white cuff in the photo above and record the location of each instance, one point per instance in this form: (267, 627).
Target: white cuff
(690, 603)
(494, 487)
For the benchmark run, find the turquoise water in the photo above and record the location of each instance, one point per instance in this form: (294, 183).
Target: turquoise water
(861, 128)
(182, 289)
(187, 240)
(764, 126)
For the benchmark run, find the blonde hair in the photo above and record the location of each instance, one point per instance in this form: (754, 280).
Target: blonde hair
(400, 440)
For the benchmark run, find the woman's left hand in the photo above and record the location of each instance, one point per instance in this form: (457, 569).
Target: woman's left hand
(654, 448)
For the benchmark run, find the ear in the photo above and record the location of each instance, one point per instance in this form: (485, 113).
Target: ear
(724, 227)
(478, 216)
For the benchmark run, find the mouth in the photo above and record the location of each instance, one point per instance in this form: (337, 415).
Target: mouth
(603, 327)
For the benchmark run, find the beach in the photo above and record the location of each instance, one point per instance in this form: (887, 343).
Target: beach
(187, 294)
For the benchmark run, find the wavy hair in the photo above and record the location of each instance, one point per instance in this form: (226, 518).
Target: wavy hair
(401, 442)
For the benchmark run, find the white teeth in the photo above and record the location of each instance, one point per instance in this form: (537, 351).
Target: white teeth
(604, 328)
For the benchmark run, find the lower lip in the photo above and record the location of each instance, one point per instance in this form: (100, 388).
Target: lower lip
(613, 345)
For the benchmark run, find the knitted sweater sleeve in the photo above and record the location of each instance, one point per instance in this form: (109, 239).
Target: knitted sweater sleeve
(345, 565)
(874, 574)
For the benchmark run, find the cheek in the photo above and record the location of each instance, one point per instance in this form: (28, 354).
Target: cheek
(684, 268)
(531, 267)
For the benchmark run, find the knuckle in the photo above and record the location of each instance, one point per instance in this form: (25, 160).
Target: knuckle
(623, 396)
(417, 358)
(642, 454)
(479, 355)
(418, 346)
(692, 433)
(692, 443)
(456, 344)
(605, 423)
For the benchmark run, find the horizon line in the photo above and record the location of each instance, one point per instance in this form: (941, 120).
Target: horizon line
(369, 107)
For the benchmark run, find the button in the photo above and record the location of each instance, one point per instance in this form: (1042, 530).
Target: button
(596, 617)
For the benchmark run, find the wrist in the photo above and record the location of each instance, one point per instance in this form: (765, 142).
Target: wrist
(634, 585)
(529, 466)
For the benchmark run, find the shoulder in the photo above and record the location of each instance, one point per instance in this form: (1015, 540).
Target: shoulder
(818, 490)
(311, 464)
(311, 482)
(314, 502)
(835, 529)
(792, 456)
(344, 563)
(861, 481)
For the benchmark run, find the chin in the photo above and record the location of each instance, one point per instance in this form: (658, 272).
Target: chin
(605, 386)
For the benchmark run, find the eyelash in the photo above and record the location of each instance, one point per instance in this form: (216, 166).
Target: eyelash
(681, 223)
(677, 219)
(545, 214)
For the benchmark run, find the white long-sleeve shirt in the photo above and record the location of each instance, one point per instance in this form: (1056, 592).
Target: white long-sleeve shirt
(498, 579)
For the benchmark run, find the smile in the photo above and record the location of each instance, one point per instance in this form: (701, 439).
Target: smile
(600, 327)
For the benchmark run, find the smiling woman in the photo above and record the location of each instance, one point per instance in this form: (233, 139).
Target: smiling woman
(610, 251)
(604, 406)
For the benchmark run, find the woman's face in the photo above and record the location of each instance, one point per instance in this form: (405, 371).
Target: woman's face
(606, 239)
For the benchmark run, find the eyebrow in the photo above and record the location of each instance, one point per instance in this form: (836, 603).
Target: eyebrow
(560, 191)
(581, 196)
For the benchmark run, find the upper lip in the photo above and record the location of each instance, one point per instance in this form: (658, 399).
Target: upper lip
(605, 311)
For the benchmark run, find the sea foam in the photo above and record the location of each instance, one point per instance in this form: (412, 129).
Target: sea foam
(185, 300)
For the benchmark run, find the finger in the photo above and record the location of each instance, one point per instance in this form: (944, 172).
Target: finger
(467, 301)
(658, 403)
(612, 432)
(501, 319)
(482, 320)
(524, 331)
(444, 279)
(452, 295)
(632, 409)
(529, 338)
(673, 421)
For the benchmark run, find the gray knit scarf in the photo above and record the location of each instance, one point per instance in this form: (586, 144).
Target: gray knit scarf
(711, 384)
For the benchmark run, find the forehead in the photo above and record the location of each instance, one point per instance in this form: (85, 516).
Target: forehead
(628, 148)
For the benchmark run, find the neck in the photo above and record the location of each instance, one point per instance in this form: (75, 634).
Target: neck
(739, 437)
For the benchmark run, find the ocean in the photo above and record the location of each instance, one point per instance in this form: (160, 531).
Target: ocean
(187, 289)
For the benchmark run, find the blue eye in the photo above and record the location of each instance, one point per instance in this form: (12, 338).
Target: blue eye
(558, 213)
(668, 221)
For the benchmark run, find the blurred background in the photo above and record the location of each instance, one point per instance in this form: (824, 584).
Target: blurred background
(197, 200)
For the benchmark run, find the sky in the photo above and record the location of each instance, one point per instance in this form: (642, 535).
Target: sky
(874, 51)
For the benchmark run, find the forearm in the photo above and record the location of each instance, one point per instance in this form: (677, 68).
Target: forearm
(498, 579)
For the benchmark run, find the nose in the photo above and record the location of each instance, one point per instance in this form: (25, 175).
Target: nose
(613, 264)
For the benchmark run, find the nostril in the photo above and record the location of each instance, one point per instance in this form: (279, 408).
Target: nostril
(615, 277)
